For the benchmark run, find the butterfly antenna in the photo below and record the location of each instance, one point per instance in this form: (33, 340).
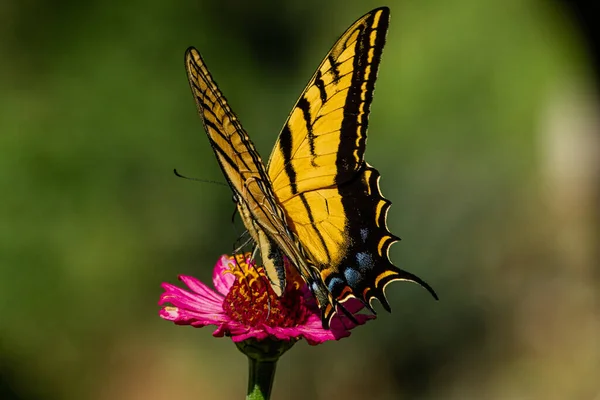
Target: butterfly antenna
(177, 174)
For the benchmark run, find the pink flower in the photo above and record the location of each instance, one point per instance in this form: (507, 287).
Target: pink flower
(244, 306)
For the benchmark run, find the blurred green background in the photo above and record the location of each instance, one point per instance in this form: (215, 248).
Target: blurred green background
(484, 128)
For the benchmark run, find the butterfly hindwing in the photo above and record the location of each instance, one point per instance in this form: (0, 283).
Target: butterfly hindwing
(366, 269)
(233, 148)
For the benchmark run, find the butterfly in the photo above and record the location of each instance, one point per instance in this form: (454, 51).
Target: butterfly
(316, 202)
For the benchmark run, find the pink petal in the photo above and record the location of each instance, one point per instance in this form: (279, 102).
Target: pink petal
(183, 299)
(223, 280)
(285, 333)
(314, 333)
(198, 318)
(233, 329)
(200, 288)
(201, 307)
(257, 334)
(353, 305)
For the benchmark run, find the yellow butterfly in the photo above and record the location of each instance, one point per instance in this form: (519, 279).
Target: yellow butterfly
(317, 202)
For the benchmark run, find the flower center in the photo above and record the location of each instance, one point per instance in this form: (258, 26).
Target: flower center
(252, 302)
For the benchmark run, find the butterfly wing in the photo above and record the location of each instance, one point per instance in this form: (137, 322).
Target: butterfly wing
(246, 174)
(330, 196)
(240, 162)
(234, 150)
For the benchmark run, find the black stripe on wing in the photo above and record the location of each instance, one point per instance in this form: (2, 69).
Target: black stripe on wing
(211, 102)
(353, 136)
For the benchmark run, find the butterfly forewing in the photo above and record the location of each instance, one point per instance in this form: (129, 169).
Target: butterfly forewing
(234, 150)
(325, 135)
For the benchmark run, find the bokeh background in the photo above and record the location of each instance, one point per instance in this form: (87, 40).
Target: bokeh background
(485, 128)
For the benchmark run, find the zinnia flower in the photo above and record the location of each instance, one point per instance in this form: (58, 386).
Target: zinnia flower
(244, 306)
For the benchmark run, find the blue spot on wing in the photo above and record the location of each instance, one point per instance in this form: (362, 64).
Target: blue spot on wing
(364, 232)
(336, 285)
(353, 277)
(365, 261)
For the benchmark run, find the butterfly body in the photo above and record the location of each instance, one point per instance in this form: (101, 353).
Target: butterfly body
(317, 201)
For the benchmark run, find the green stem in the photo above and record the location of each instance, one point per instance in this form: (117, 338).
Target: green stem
(262, 362)
(260, 379)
